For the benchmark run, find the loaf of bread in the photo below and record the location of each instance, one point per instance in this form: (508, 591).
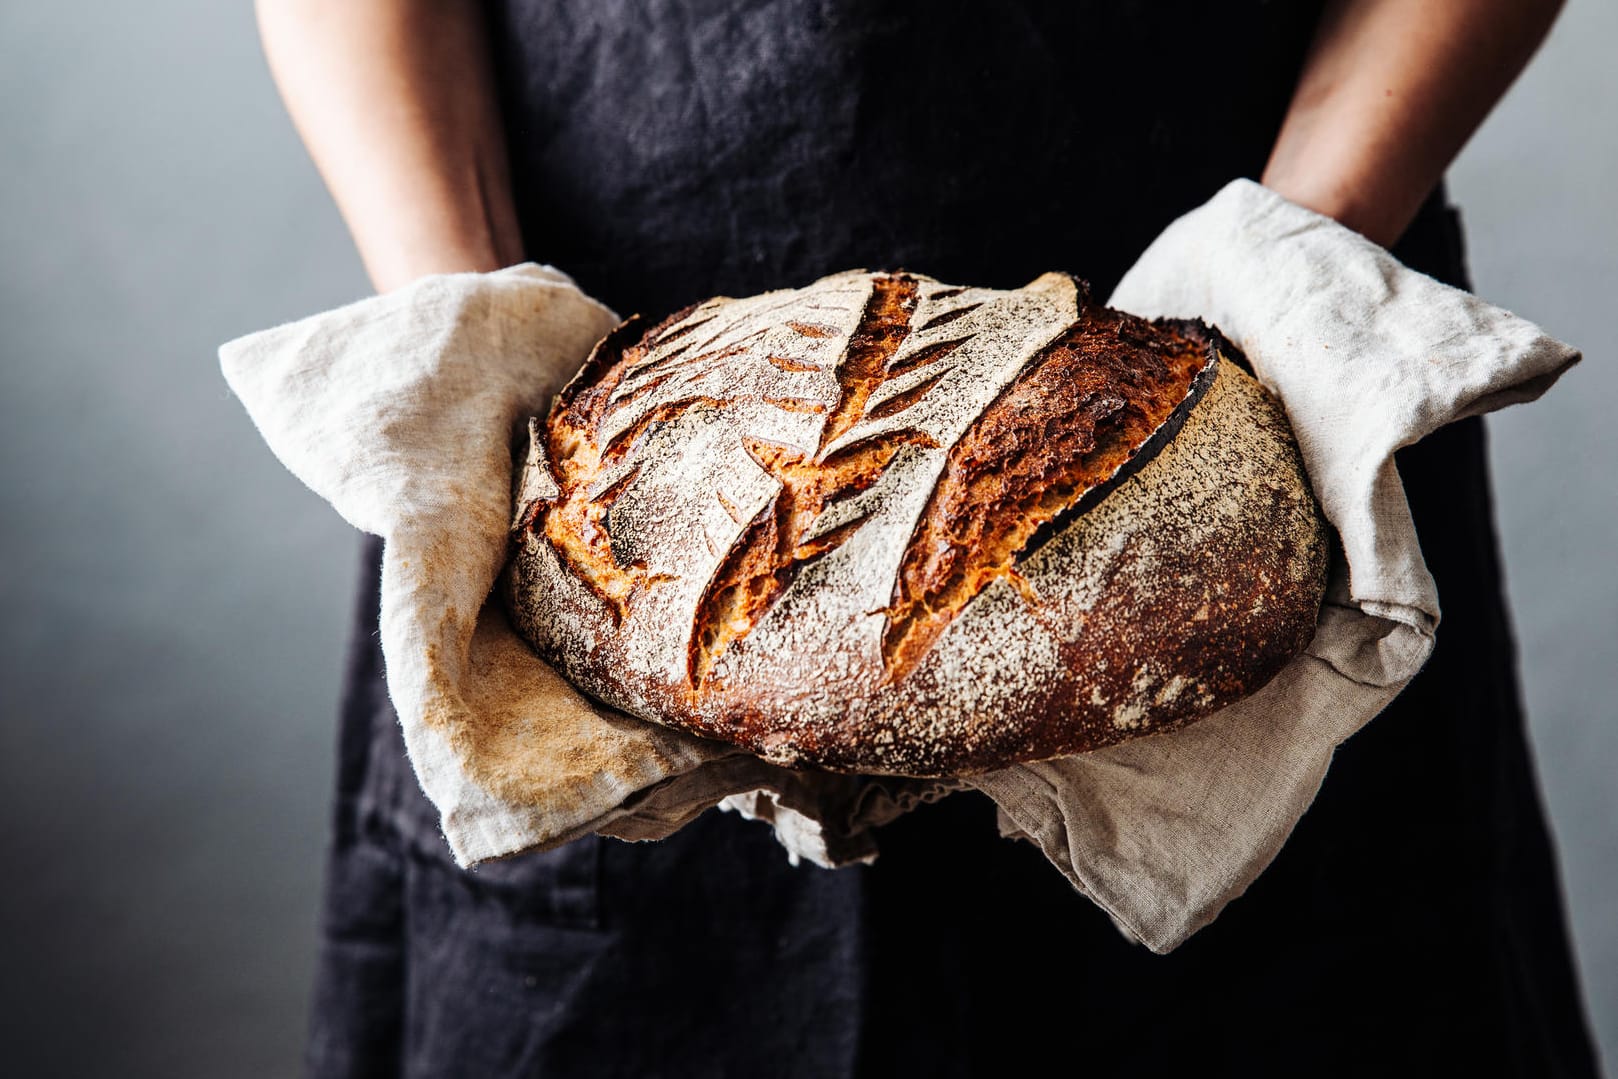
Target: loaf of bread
(884, 524)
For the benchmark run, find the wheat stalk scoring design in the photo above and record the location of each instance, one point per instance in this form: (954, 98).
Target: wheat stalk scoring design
(734, 401)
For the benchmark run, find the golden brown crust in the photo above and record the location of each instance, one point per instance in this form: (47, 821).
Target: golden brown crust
(759, 568)
(978, 653)
(1086, 405)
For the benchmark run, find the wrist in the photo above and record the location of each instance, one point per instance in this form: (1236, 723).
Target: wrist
(453, 232)
(408, 259)
(1379, 208)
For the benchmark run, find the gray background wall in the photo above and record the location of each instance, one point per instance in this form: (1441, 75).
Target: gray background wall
(173, 605)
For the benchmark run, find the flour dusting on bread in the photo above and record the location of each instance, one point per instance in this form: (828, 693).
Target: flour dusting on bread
(885, 524)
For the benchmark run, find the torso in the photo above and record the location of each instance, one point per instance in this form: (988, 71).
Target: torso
(663, 152)
(666, 152)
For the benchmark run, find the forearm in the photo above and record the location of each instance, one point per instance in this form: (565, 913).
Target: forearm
(395, 101)
(1390, 92)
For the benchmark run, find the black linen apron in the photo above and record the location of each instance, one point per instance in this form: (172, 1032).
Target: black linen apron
(665, 152)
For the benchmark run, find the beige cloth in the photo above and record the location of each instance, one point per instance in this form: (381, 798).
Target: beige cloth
(401, 410)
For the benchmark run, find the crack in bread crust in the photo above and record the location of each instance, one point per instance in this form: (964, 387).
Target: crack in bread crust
(1087, 404)
(829, 524)
(760, 567)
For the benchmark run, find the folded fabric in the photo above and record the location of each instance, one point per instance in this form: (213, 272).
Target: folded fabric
(1366, 356)
(401, 410)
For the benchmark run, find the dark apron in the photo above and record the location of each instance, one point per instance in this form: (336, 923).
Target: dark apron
(666, 152)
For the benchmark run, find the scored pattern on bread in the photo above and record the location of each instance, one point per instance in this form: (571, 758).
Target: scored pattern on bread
(761, 518)
(1086, 406)
(772, 440)
(819, 504)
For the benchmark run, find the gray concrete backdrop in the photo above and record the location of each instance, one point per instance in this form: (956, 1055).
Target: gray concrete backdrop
(173, 604)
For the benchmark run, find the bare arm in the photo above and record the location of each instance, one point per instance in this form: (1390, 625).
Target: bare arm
(1389, 94)
(395, 101)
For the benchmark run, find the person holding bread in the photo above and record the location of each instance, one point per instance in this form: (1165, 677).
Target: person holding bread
(663, 153)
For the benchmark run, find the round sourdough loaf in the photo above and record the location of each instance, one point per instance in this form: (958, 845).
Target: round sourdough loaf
(884, 524)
